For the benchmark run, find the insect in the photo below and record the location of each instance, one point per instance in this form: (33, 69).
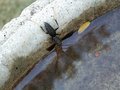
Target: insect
(52, 32)
(63, 60)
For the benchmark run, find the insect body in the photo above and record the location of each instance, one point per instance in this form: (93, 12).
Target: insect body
(52, 32)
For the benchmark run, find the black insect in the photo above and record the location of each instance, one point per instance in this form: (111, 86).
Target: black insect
(52, 32)
(63, 60)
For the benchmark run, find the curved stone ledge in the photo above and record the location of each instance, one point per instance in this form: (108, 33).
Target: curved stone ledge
(23, 43)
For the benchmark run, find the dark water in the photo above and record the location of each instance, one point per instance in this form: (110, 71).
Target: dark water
(91, 62)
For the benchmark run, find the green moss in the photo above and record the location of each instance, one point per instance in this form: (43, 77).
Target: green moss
(11, 8)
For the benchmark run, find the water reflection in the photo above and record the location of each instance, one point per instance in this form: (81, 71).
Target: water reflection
(61, 64)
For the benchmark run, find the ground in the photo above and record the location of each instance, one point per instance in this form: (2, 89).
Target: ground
(10, 9)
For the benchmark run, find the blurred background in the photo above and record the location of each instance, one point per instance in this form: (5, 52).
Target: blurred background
(10, 9)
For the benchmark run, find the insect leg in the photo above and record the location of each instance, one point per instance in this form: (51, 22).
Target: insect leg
(57, 24)
(44, 30)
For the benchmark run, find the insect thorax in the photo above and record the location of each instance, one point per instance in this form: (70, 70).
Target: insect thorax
(57, 40)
